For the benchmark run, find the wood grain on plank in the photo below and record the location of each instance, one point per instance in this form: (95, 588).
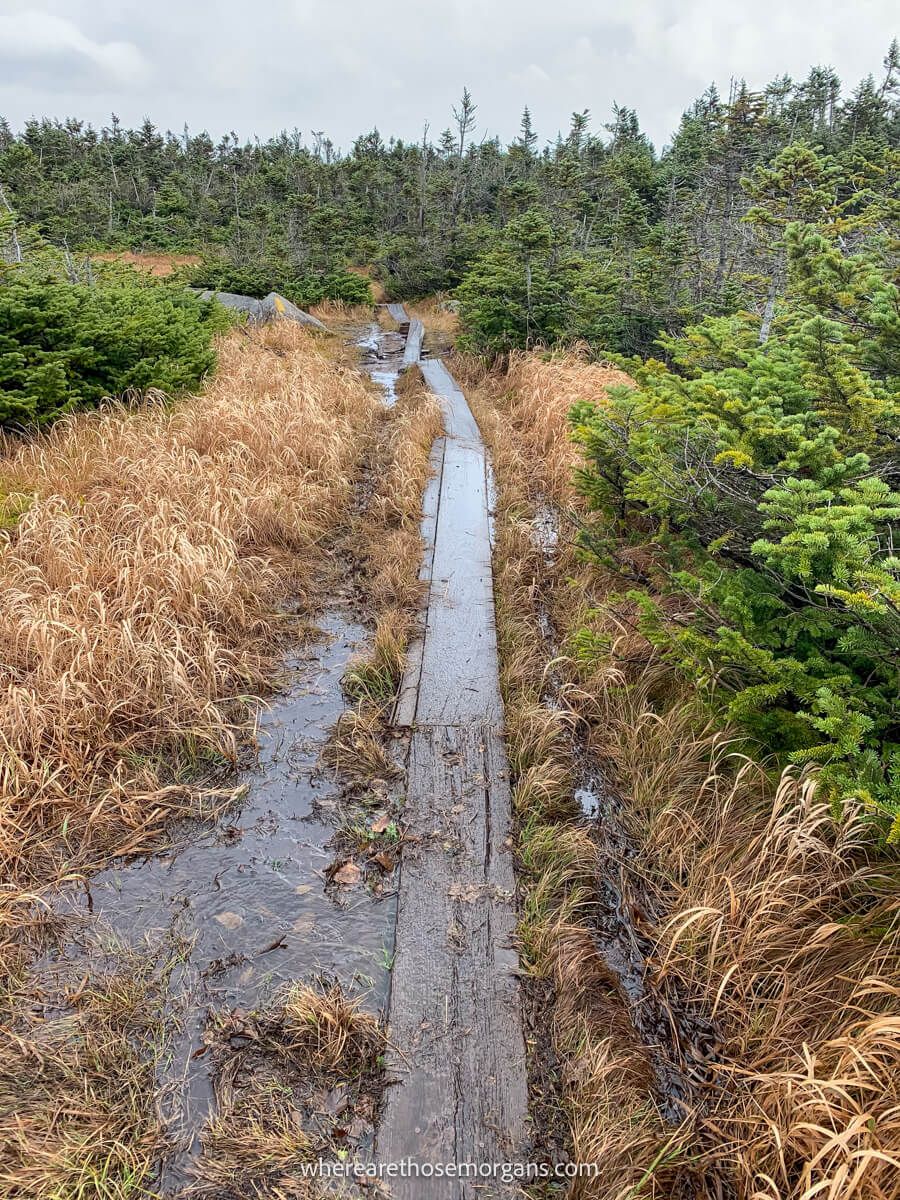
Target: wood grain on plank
(457, 1078)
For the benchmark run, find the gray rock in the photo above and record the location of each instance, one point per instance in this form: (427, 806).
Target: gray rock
(278, 308)
(247, 304)
(271, 308)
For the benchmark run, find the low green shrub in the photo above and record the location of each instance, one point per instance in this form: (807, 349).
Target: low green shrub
(66, 345)
(766, 474)
(258, 280)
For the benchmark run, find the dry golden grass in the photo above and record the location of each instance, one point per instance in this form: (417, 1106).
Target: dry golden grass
(538, 390)
(152, 564)
(339, 312)
(391, 538)
(159, 265)
(789, 930)
(385, 320)
(313, 1040)
(141, 592)
(77, 1111)
(386, 540)
(251, 1152)
(324, 1028)
(441, 323)
(376, 677)
(769, 916)
(356, 747)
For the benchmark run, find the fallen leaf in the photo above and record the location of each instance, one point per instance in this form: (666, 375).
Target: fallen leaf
(230, 920)
(302, 889)
(348, 874)
(384, 860)
(381, 822)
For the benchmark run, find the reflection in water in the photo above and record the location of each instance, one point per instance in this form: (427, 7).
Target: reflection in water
(381, 357)
(247, 897)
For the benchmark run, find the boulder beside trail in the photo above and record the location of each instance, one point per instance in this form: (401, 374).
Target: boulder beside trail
(273, 307)
(247, 304)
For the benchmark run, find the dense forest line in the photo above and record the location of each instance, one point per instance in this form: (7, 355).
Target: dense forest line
(593, 235)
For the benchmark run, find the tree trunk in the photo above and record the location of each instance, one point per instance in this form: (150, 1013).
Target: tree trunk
(771, 300)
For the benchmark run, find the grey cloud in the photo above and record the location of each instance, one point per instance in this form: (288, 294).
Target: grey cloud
(50, 50)
(349, 65)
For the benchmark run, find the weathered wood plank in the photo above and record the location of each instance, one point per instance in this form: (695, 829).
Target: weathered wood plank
(458, 679)
(455, 1010)
(458, 1090)
(413, 348)
(408, 698)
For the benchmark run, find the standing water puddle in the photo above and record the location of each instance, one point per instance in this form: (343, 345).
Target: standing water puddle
(381, 357)
(246, 898)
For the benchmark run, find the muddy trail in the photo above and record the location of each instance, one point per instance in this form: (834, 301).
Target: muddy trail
(247, 903)
(250, 902)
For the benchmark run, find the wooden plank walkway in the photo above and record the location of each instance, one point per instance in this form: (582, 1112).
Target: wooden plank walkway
(415, 332)
(458, 1090)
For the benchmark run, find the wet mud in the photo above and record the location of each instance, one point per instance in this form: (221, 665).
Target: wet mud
(381, 357)
(246, 904)
(263, 896)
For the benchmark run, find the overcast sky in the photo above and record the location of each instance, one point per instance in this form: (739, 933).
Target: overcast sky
(344, 66)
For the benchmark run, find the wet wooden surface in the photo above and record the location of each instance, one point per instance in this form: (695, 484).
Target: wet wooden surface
(457, 1090)
(413, 348)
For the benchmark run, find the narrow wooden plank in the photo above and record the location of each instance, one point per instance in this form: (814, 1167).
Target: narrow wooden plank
(413, 348)
(458, 1090)
(458, 419)
(459, 672)
(455, 1010)
(399, 313)
(408, 697)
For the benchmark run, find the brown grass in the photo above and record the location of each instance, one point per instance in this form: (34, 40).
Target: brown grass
(159, 265)
(77, 1082)
(385, 320)
(324, 1028)
(141, 593)
(356, 748)
(766, 915)
(538, 391)
(338, 312)
(152, 562)
(441, 323)
(390, 542)
(386, 540)
(271, 1114)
